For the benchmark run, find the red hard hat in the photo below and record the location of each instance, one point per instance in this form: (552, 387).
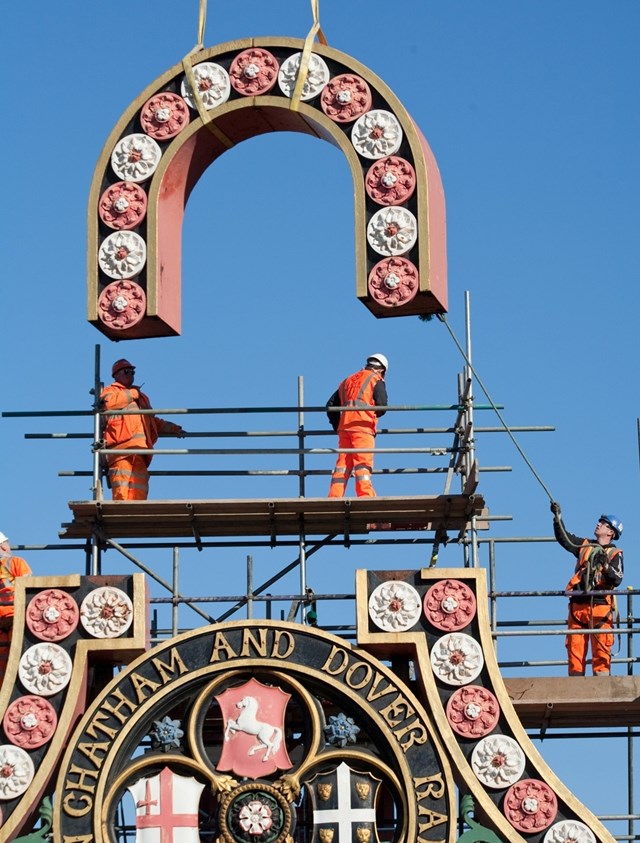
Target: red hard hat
(121, 364)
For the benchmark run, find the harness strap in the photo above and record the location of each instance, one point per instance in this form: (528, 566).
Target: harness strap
(600, 622)
(584, 562)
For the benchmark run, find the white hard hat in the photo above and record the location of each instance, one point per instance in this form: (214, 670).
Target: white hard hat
(3, 538)
(380, 359)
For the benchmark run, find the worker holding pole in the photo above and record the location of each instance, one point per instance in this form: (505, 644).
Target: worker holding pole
(599, 568)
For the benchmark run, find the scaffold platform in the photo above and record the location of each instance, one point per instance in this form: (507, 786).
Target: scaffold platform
(272, 517)
(576, 701)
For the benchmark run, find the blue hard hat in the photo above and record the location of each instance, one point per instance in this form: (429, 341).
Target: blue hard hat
(614, 523)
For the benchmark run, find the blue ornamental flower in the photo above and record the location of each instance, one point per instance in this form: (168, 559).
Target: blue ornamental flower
(166, 734)
(341, 730)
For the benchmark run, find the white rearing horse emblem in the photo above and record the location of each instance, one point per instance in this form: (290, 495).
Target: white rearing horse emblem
(268, 736)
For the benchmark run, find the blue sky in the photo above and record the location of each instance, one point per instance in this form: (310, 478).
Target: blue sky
(531, 111)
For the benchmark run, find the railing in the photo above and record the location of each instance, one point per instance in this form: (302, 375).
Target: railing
(512, 620)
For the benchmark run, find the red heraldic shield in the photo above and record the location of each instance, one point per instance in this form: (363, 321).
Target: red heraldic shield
(253, 716)
(167, 808)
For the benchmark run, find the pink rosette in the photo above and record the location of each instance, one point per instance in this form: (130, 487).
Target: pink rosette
(473, 711)
(164, 116)
(123, 206)
(29, 722)
(345, 98)
(530, 806)
(52, 615)
(122, 304)
(253, 72)
(449, 605)
(393, 282)
(390, 181)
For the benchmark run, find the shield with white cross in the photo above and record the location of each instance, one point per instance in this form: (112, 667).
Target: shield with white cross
(166, 808)
(344, 806)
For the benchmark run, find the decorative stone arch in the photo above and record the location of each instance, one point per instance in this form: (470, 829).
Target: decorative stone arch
(168, 137)
(294, 675)
(337, 715)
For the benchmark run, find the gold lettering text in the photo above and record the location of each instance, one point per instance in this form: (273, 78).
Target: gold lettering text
(140, 684)
(289, 644)
(220, 646)
(249, 641)
(166, 671)
(366, 669)
(434, 819)
(77, 804)
(429, 786)
(397, 711)
(374, 694)
(96, 724)
(339, 666)
(91, 750)
(125, 702)
(414, 732)
(82, 773)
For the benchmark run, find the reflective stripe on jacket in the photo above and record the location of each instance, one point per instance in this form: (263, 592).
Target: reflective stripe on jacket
(132, 431)
(357, 391)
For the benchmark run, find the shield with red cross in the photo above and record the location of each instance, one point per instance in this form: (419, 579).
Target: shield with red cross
(344, 806)
(253, 716)
(166, 808)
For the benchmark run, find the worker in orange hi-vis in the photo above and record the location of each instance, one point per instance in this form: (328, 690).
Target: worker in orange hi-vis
(363, 391)
(599, 568)
(10, 568)
(129, 473)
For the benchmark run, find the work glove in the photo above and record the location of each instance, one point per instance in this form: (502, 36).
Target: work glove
(555, 508)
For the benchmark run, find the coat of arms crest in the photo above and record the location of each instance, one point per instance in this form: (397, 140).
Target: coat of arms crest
(253, 716)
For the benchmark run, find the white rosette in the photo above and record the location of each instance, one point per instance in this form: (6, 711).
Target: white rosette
(498, 761)
(16, 771)
(106, 612)
(376, 134)
(569, 831)
(122, 255)
(213, 84)
(45, 669)
(392, 231)
(394, 606)
(135, 157)
(317, 76)
(457, 658)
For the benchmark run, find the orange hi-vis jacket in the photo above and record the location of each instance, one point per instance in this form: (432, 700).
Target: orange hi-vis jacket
(132, 431)
(10, 568)
(578, 580)
(357, 391)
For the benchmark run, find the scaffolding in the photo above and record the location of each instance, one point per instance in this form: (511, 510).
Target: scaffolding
(551, 706)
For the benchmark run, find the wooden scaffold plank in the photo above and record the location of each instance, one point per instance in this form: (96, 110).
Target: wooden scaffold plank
(271, 517)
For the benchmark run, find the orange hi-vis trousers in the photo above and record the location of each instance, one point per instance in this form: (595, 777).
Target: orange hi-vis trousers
(360, 465)
(585, 616)
(129, 478)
